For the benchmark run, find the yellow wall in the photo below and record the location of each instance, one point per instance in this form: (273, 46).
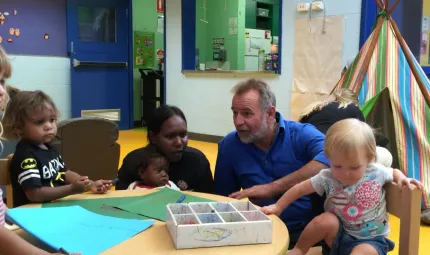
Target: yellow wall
(424, 59)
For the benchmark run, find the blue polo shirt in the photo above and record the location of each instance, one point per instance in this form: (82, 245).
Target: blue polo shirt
(241, 165)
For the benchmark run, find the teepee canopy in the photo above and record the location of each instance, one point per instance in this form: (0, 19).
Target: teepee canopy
(393, 92)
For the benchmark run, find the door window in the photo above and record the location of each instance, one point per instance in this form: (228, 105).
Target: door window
(97, 24)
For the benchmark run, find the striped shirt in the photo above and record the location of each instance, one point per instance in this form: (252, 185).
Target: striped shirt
(33, 167)
(2, 209)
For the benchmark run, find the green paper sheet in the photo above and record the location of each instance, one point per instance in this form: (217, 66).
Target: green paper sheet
(99, 206)
(154, 205)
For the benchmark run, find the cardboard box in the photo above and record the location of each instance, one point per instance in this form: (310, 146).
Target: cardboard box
(196, 225)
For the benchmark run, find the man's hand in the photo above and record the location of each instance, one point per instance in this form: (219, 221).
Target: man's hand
(280, 186)
(100, 186)
(256, 193)
(79, 185)
(272, 209)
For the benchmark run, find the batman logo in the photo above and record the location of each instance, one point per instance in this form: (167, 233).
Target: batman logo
(28, 163)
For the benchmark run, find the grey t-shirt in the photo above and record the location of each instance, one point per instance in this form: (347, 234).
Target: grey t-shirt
(361, 207)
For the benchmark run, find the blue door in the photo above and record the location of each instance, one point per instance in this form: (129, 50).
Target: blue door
(98, 34)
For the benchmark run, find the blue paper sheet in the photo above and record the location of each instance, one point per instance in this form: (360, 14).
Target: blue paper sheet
(76, 229)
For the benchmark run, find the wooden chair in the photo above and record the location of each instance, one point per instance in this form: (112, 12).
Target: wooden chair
(406, 205)
(5, 179)
(89, 146)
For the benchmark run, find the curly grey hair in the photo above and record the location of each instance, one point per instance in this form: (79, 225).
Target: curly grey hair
(267, 97)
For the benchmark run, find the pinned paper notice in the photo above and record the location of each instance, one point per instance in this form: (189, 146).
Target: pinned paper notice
(160, 24)
(425, 24)
(424, 40)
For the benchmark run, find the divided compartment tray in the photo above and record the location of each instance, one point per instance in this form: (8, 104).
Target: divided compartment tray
(209, 224)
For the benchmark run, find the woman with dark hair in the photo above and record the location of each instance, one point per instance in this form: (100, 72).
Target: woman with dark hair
(167, 130)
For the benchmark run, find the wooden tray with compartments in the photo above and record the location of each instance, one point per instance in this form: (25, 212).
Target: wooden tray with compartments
(194, 225)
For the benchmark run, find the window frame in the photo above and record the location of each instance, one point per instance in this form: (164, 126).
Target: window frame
(188, 26)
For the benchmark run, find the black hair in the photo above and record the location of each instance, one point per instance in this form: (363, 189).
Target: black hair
(150, 153)
(160, 115)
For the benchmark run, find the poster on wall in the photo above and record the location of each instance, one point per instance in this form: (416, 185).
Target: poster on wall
(425, 23)
(160, 6)
(143, 49)
(314, 54)
(160, 24)
(232, 26)
(28, 28)
(217, 45)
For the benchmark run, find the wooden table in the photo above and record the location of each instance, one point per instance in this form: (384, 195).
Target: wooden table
(157, 240)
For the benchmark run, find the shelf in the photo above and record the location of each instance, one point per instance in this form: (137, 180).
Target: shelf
(230, 74)
(264, 17)
(264, 3)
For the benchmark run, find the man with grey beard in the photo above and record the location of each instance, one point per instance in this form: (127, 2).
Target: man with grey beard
(267, 155)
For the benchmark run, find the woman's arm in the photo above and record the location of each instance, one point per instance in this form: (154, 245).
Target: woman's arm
(206, 184)
(12, 244)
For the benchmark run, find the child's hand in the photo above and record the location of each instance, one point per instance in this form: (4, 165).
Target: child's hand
(80, 185)
(100, 186)
(408, 181)
(272, 209)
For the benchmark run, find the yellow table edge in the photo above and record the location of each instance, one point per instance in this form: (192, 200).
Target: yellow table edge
(282, 240)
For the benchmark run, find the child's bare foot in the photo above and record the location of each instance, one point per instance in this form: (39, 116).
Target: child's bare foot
(296, 251)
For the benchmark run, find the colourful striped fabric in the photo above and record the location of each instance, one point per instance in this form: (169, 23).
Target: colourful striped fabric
(2, 209)
(389, 68)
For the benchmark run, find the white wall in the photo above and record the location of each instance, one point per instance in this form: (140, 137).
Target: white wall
(50, 74)
(206, 102)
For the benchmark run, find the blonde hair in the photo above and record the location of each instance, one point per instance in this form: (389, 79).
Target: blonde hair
(342, 96)
(6, 70)
(20, 108)
(348, 136)
(5, 66)
(10, 93)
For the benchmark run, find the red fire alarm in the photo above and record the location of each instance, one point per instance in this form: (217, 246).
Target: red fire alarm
(160, 6)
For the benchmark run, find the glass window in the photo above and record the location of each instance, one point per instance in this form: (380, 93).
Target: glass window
(237, 35)
(96, 24)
